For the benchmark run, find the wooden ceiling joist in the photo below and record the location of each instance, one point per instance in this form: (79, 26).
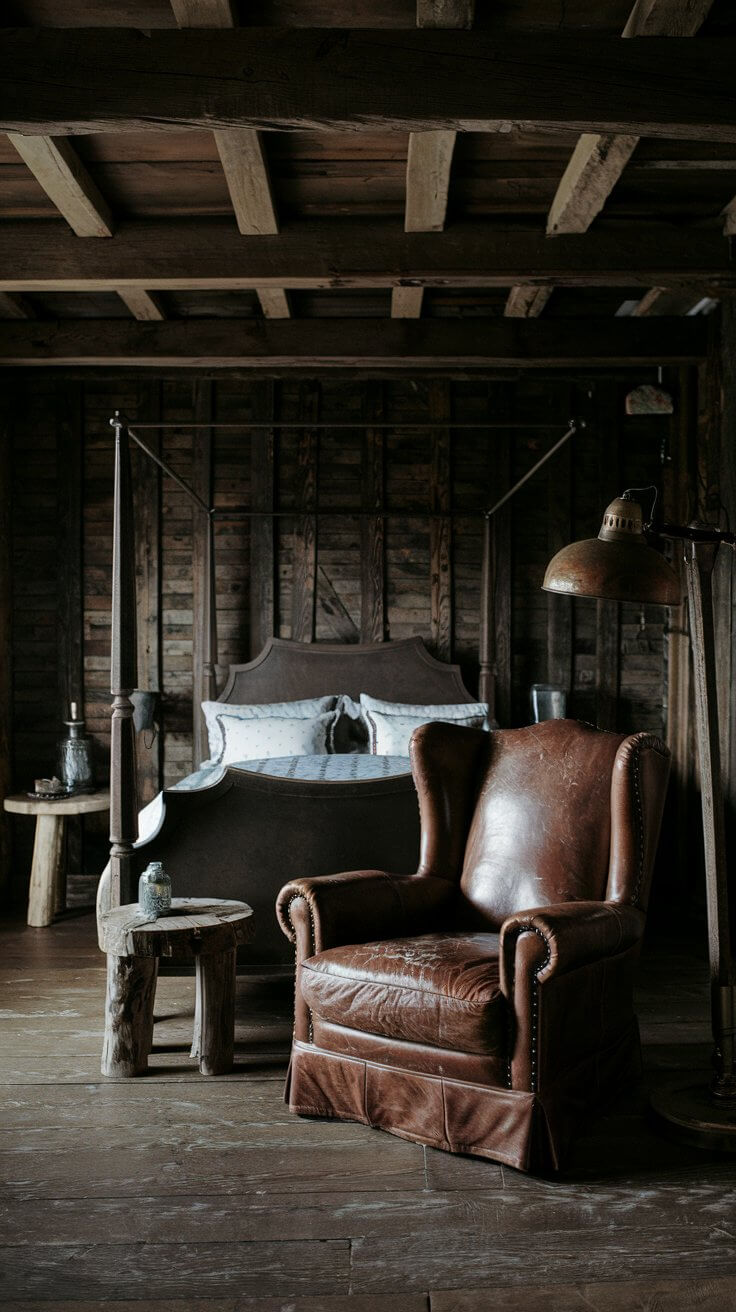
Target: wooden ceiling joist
(525, 302)
(354, 343)
(204, 13)
(241, 155)
(57, 168)
(599, 159)
(187, 254)
(143, 305)
(13, 306)
(62, 81)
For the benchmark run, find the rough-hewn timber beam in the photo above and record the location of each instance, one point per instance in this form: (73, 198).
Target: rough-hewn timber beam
(335, 343)
(599, 159)
(143, 305)
(526, 302)
(59, 81)
(204, 13)
(163, 256)
(58, 169)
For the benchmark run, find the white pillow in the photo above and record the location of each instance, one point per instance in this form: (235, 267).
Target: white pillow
(451, 711)
(390, 734)
(263, 737)
(302, 710)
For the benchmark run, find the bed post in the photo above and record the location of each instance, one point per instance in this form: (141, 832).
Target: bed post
(123, 678)
(486, 681)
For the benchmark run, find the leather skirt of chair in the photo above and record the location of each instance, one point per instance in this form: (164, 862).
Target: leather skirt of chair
(529, 1131)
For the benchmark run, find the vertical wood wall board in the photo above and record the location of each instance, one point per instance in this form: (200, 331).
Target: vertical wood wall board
(263, 457)
(304, 569)
(608, 613)
(372, 536)
(6, 638)
(202, 443)
(147, 511)
(440, 529)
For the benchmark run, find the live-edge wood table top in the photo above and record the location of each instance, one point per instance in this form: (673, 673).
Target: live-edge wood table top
(195, 924)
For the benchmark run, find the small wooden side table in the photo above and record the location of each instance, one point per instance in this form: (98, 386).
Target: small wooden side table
(206, 930)
(48, 845)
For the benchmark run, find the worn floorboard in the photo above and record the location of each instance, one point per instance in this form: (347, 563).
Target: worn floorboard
(189, 1194)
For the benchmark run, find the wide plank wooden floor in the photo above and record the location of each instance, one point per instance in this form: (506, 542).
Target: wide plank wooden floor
(181, 1193)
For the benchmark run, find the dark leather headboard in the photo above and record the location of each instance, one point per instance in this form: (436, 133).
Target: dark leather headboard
(396, 671)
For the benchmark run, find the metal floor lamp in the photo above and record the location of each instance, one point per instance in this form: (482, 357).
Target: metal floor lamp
(620, 565)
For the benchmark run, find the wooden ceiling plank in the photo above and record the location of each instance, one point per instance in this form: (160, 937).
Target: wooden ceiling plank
(417, 80)
(599, 159)
(211, 254)
(56, 166)
(354, 343)
(526, 302)
(15, 306)
(204, 13)
(143, 305)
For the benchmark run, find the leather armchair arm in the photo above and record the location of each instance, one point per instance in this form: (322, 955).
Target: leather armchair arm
(359, 905)
(568, 935)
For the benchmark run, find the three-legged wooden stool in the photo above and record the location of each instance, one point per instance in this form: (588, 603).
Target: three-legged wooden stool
(205, 930)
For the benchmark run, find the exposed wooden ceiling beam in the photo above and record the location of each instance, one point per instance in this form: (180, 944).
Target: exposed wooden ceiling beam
(648, 302)
(246, 173)
(599, 159)
(204, 13)
(355, 343)
(525, 302)
(56, 81)
(14, 306)
(57, 168)
(143, 305)
(159, 255)
(429, 159)
(241, 155)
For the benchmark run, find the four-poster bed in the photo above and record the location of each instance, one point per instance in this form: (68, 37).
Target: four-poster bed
(246, 833)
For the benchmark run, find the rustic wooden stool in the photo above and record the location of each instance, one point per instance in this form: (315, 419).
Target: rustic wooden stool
(46, 884)
(205, 930)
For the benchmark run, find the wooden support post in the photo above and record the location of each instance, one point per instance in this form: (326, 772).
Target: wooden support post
(560, 612)
(6, 637)
(501, 561)
(440, 529)
(304, 573)
(69, 407)
(372, 531)
(123, 679)
(608, 613)
(214, 1012)
(147, 513)
(263, 497)
(131, 987)
(204, 600)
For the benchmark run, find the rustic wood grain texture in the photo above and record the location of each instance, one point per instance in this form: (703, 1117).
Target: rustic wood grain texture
(204, 13)
(526, 302)
(194, 925)
(608, 613)
(304, 567)
(147, 514)
(142, 304)
(131, 984)
(56, 165)
(501, 564)
(440, 547)
(202, 599)
(372, 531)
(355, 343)
(368, 254)
(6, 634)
(214, 1014)
(480, 82)
(263, 580)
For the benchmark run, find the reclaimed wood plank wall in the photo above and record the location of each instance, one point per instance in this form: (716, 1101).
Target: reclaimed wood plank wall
(333, 577)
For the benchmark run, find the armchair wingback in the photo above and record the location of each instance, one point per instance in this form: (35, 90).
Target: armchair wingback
(480, 1004)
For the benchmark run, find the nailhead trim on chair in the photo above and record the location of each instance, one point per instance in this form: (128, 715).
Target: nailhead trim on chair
(531, 929)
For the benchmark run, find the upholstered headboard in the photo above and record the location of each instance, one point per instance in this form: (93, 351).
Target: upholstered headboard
(396, 671)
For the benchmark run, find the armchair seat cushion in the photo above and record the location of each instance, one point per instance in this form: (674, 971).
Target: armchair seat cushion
(437, 989)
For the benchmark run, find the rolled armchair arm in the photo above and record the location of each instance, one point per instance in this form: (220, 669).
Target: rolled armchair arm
(568, 935)
(359, 905)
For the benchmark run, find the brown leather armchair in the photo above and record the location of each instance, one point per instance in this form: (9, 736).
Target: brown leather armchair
(481, 1004)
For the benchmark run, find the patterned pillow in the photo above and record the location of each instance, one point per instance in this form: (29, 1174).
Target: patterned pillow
(262, 738)
(451, 711)
(261, 711)
(390, 734)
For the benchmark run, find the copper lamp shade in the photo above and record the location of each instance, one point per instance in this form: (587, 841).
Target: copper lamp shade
(618, 565)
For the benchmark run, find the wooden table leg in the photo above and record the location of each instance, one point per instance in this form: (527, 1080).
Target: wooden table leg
(47, 848)
(131, 986)
(214, 1012)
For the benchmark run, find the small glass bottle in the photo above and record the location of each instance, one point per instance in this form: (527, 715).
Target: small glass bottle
(74, 765)
(154, 891)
